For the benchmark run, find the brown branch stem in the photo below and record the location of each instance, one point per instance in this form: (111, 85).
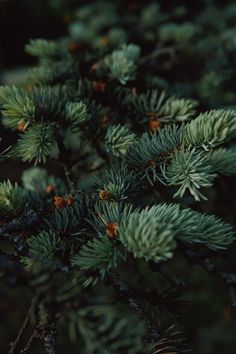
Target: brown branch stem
(158, 53)
(14, 345)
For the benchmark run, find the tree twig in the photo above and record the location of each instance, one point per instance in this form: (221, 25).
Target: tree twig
(49, 335)
(20, 223)
(14, 345)
(127, 295)
(45, 331)
(30, 342)
(68, 176)
(158, 52)
(208, 264)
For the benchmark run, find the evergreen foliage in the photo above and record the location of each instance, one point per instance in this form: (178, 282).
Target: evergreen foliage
(137, 159)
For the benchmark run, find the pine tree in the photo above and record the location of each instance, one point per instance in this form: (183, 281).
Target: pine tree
(97, 246)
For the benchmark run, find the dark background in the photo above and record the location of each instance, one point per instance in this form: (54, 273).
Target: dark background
(24, 19)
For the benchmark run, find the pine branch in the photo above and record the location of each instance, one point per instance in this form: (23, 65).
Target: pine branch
(125, 123)
(49, 335)
(27, 220)
(68, 175)
(30, 342)
(45, 331)
(127, 295)
(158, 52)
(14, 346)
(208, 264)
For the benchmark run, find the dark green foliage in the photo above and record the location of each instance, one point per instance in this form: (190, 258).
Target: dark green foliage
(99, 254)
(12, 200)
(37, 144)
(102, 327)
(43, 245)
(133, 110)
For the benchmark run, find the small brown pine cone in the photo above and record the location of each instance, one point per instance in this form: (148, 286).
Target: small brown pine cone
(105, 41)
(69, 201)
(73, 47)
(104, 195)
(50, 189)
(112, 229)
(59, 202)
(95, 66)
(21, 126)
(154, 124)
(99, 86)
(105, 120)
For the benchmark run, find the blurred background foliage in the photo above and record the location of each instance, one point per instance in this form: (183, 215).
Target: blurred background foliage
(206, 319)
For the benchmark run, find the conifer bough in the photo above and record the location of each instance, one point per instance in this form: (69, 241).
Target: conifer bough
(134, 158)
